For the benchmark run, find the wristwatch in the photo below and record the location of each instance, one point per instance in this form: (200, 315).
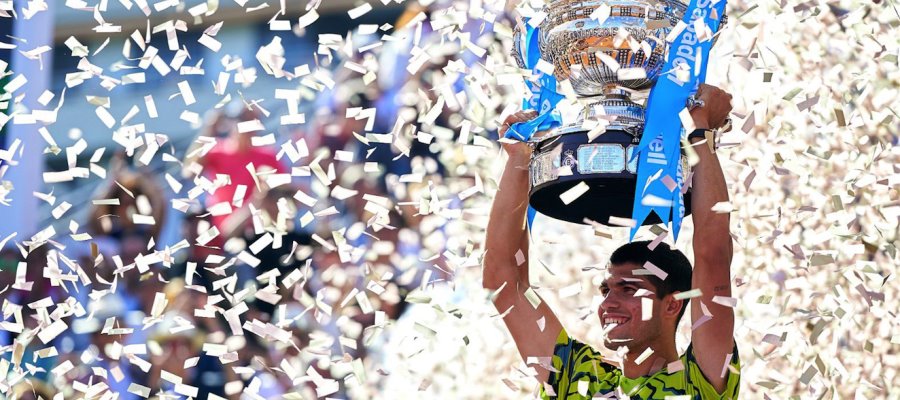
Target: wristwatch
(710, 135)
(702, 134)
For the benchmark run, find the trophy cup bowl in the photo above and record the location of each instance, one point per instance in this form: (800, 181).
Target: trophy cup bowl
(571, 40)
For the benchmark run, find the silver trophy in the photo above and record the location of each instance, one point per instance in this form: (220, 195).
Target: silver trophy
(630, 38)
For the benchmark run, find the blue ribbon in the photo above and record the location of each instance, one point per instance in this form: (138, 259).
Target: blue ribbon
(660, 177)
(544, 95)
(543, 100)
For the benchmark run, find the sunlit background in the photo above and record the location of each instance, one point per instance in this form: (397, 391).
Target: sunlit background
(351, 267)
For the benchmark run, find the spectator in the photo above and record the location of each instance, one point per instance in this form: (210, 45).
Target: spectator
(179, 342)
(104, 352)
(262, 383)
(232, 158)
(194, 224)
(31, 389)
(137, 194)
(20, 295)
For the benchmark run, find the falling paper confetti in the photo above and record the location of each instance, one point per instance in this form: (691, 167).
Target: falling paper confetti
(253, 199)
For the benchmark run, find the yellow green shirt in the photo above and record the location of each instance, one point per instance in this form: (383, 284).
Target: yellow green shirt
(581, 373)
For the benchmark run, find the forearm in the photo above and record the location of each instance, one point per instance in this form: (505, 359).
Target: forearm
(712, 267)
(712, 236)
(506, 231)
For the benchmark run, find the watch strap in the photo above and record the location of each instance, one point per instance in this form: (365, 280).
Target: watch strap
(701, 134)
(705, 134)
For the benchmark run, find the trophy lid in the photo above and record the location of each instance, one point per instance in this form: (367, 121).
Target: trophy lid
(594, 53)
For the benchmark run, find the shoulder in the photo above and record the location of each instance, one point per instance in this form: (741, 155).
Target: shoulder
(265, 156)
(218, 151)
(698, 380)
(570, 348)
(578, 371)
(578, 368)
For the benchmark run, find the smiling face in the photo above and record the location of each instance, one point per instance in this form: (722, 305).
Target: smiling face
(621, 310)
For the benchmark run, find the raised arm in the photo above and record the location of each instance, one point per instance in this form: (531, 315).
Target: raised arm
(712, 340)
(507, 236)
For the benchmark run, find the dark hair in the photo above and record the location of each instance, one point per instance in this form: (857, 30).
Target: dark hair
(670, 260)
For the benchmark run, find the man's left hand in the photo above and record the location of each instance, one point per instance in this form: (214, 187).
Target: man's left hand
(715, 110)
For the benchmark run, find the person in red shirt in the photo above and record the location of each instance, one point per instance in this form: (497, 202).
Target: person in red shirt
(231, 157)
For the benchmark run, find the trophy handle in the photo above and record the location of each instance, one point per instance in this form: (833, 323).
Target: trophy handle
(516, 52)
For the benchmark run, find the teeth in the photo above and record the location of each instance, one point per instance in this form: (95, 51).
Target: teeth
(618, 321)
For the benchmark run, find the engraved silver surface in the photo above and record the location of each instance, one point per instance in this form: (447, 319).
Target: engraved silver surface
(550, 163)
(544, 168)
(601, 158)
(632, 164)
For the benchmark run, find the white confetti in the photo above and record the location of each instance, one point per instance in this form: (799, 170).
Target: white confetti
(574, 193)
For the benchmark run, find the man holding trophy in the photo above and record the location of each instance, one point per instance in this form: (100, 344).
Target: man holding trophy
(606, 169)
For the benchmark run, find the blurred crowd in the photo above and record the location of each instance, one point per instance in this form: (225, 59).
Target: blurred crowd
(284, 276)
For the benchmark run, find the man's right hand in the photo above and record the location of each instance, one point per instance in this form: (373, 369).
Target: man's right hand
(716, 109)
(518, 151)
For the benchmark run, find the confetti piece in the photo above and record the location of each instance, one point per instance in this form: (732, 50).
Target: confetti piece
(52, 331)
(250, 126)
(601, 13)
(687, 121)
(105, 117)
(725, 301)
(688, 294)
(643, 356)
(625, 222)
(359, 11)
(574, 193)
(341, 155)
(15, 84)
(532, 298)
(656, 201)
(211, 42)
(723, 207)
(545, 67)
(656, 271)
(646, 309)
(631, 73)
(62, 368)
(570, 290)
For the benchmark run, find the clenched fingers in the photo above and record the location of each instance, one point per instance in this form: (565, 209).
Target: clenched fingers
(514, 118)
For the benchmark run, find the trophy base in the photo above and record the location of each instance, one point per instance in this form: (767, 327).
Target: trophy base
(562, 161)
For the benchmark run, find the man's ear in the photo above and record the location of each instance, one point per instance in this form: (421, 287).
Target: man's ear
(673, 305)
